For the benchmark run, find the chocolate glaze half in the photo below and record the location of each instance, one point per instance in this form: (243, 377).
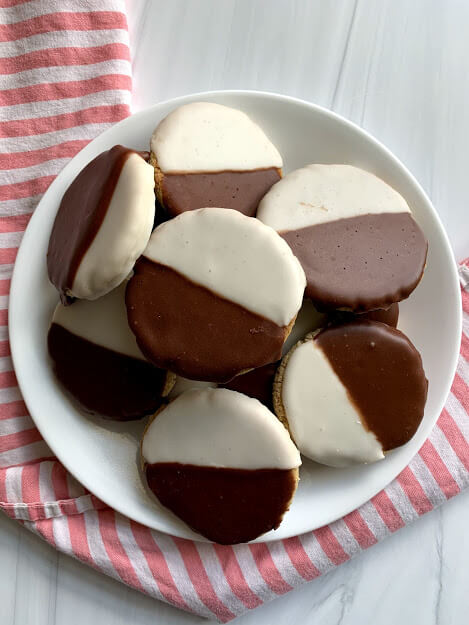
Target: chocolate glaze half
(383, 374)
(389, 316)
(80, 215)
(360, 263)
(103, 381)
(227, 506)
(258, 383)
(186, 328)
(240, 190)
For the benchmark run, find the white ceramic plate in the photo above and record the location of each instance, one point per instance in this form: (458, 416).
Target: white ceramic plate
(102, 454)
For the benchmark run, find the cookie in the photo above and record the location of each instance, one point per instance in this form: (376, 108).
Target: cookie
(97, 360)
(206, 154)
(350, 393)
(389, 316)
(353, 234)
(214, 294)
(102, 226)
(222, 463)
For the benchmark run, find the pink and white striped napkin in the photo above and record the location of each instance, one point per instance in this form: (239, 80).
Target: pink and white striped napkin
(65, 77)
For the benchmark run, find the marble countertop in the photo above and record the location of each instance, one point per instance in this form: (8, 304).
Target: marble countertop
(398, 69)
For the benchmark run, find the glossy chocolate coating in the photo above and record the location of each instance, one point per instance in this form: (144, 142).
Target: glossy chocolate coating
(103, 381)
(383, 374)
(257, 383)
(240, 190)
(227, 506)
(360, 263)
(389, 316)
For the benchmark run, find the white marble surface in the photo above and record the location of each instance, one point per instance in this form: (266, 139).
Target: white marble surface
(398, 68)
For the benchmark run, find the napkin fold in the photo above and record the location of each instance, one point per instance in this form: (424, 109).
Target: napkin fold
(65, 77)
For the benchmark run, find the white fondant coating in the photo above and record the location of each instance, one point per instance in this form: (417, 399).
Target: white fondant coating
(235, 256)
(206, 137)
(123, 234)
(317, 194)
(103, 322)
(323, 421)
(184, 384)
(219, 428)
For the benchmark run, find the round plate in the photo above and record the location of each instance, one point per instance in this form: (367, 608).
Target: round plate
(102, 454)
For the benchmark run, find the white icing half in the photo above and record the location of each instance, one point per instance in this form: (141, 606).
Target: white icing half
(205, 137)
(123, 234)
(323, 421)
(102, 322)
(184, 384)
(316, 194)
(235, 256)
(219, 428)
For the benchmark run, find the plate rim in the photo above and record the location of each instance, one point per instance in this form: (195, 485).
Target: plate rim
(28, 233)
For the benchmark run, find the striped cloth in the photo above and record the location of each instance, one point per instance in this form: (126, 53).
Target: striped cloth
(83, 44)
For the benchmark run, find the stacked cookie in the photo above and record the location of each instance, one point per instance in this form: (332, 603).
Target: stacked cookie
(256, 321)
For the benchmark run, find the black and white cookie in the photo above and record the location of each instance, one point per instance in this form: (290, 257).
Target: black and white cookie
(102, 226)
(214, 294)
(97, 360)
(222, 462)
(354, 235)
(350, 393)
(206, 154)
